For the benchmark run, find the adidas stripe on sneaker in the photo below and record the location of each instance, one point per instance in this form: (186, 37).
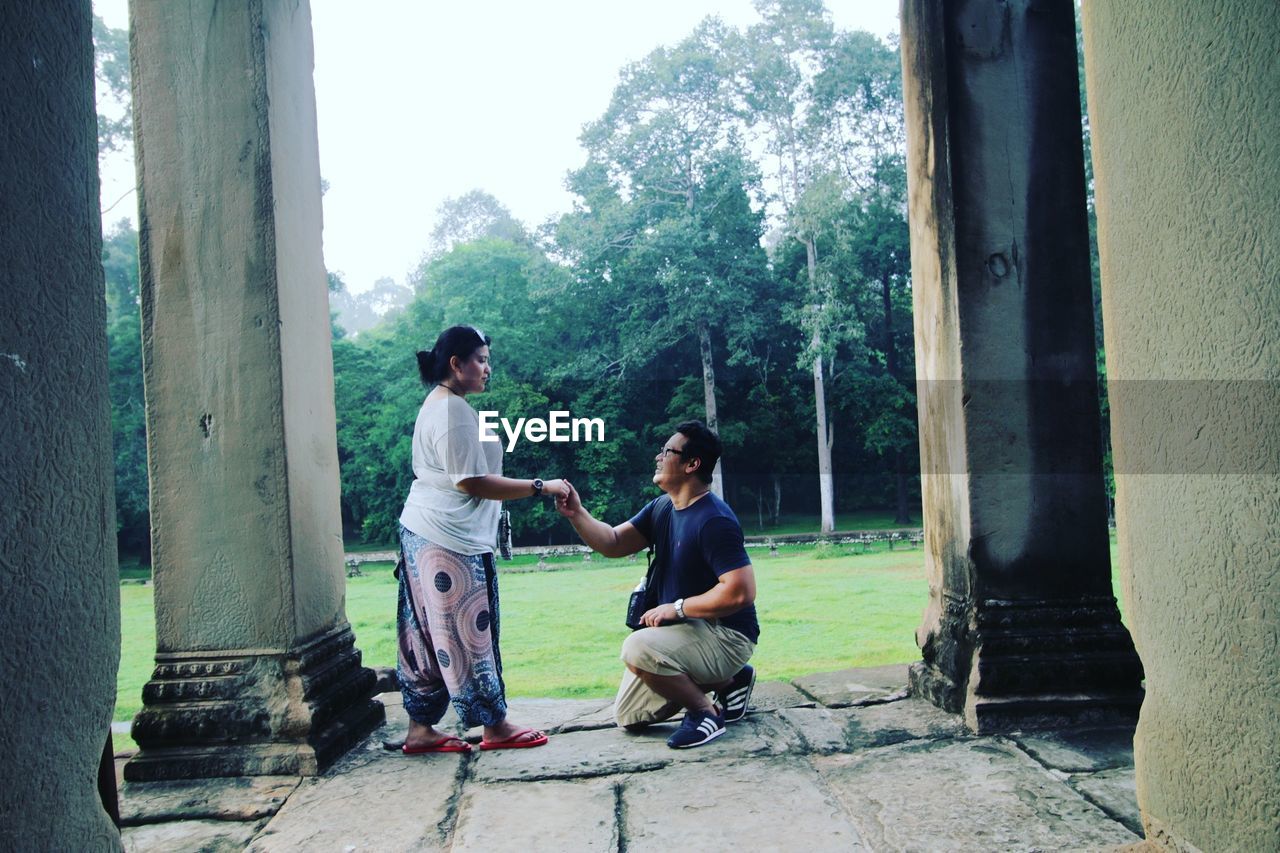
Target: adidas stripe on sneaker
(698, 728)
(736, 698)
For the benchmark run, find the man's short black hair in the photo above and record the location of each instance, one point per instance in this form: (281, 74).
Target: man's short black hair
(700, 443)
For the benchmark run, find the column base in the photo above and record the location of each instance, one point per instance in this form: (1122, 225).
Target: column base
(252, 714)
(1039, 665)
(934, 686)
(1052, 712)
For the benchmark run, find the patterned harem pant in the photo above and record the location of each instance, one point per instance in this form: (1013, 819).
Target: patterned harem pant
(447, 624)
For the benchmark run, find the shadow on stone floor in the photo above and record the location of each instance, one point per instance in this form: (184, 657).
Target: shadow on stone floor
(832, 761)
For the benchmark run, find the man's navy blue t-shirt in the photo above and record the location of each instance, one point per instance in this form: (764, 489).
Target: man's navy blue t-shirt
(705, 541)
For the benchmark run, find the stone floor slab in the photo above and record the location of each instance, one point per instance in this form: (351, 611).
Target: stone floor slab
(901, 775)
(602, 752)
(206, 836)
(600, 718)
(532, 816)
(370, 800)
(894, 722)
(1084, 751)
(774, 695)
(607, 752)
(964, 795)
(857, 686)
(548, 715)
(238, 798)
(734, 805)
(1113, 791)
(821, 730)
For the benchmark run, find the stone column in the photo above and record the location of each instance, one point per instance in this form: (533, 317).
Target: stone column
(256, 667)
(1184, 103)
(1022, 629)
(59, 587)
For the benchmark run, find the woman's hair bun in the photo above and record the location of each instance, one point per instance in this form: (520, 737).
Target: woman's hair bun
(426, 366)
(459, 341)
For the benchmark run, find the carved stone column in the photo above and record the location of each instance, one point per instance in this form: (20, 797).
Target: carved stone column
(1185, 106)
(256, 667)
(59, 586)
(1022, 630)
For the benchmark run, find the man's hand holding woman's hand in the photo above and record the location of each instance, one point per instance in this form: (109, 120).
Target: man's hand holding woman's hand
(555, 489)
(568, 504)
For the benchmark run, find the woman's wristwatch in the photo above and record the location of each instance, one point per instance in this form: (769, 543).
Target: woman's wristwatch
(537, 487)
(679, 605)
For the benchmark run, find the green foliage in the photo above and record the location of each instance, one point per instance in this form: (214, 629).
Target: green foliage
(475, 215)
(111, 68)
(128, 412)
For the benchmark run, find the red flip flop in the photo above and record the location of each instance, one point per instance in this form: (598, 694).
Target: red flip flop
(515, 742)
(449, 744)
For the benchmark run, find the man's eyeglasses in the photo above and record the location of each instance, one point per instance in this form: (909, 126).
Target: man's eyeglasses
(662, 454)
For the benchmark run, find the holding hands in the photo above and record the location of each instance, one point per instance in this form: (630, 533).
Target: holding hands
(557, 489)
(569, 503)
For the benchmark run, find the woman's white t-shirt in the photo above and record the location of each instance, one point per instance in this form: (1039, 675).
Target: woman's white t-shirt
(446, 450)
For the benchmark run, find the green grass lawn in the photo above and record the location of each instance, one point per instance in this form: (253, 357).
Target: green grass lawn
(561, 629)
(821, 608)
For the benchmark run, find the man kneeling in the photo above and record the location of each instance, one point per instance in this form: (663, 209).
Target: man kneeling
(704, 629)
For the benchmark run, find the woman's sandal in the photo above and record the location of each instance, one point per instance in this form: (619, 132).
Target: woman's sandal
(515, 741)
(448, 744)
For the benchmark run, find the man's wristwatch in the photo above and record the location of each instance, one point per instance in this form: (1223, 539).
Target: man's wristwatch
(537, 488)
(679, 605)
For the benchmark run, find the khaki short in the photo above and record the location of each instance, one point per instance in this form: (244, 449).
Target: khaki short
(703, 649)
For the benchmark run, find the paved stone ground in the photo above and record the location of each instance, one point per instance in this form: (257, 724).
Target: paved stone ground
(835, 761)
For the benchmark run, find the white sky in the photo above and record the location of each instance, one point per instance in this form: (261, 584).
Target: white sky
(420, 100)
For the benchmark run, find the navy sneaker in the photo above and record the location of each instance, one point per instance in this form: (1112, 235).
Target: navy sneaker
(735, 698)
(698, 728)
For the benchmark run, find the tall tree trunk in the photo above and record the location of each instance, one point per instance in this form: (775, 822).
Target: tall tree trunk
(709, 392)
(826, 485)
(826, 491)
(777, 498)
(902, 514)
(890, 351)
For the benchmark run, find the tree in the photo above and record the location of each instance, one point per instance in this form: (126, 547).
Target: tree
(779, 58)
(111, 68)
(858, 94)
(488, 283)
(476, 215)
(665, 227)
(128, 411)
(356, 313)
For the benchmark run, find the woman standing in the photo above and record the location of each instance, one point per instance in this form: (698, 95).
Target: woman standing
(447, 620)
